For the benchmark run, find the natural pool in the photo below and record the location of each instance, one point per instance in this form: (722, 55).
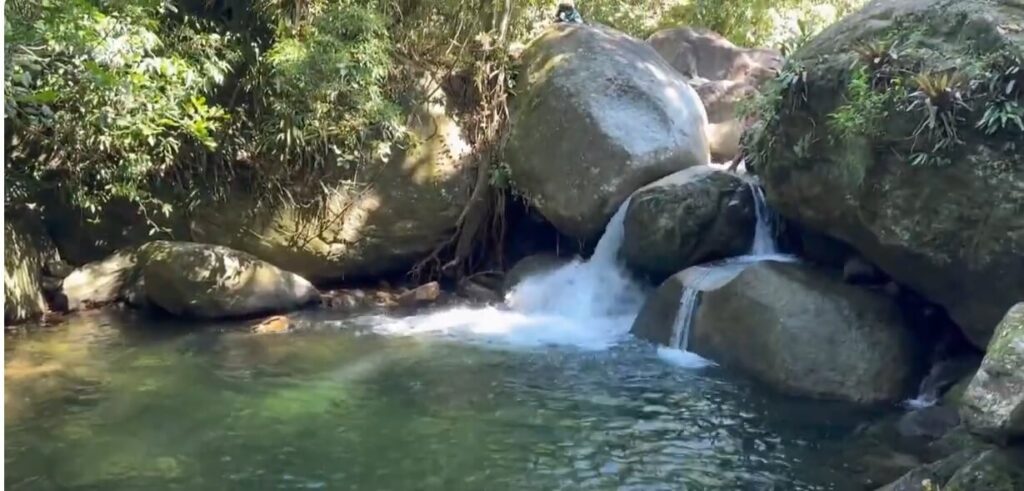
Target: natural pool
(118, 401)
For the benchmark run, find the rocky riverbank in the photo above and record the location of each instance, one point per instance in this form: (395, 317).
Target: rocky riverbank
(887, 145)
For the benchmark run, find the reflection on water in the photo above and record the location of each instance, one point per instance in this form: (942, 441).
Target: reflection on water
(103, 403)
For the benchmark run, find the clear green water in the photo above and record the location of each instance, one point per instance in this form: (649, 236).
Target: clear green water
(112, 402)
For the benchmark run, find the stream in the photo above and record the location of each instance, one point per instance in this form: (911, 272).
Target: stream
(117, 401)
(546, 392)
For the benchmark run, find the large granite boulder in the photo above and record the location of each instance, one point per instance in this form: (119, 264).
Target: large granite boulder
(993, 405)
(686, 218)
(598, 114)
(27, 248)
(723, 75)
(210, 281)
(794, 328)
(949, 224)
(394, 213)
(376, 218)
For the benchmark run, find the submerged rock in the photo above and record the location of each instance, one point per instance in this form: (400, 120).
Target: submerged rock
(993, 405)
(277, 324)
(689, 217)
(27, 248)
(597, 115)
(928, 422)
(950, 229)
(722, 73)
(209, 281)
(806, 333)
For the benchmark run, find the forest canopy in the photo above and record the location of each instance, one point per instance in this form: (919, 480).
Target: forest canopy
(106, 98)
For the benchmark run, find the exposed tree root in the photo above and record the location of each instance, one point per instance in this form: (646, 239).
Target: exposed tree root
(478, 240)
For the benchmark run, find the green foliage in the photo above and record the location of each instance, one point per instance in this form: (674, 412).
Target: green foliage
(786, 91)
(110, 99)
(863, 110)
(1002, 115)
(999, 84)
(320, 92)
(103, 95)
(783, 24)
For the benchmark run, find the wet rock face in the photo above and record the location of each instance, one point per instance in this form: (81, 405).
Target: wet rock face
(951, 231)
(598, 114)
(993, 404)
(689, 217)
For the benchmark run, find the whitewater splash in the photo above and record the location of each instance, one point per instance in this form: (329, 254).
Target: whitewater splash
(585, 304)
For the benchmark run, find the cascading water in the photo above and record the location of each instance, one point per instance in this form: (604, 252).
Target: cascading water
(705, 276)
(588, 304)
(764, 227)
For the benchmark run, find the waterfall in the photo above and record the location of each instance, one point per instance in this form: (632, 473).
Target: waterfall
(709, 276)
(764, 227)
(681, 326)
(588, 304)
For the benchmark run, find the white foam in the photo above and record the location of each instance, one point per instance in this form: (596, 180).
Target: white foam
(920, 402)
(585, 304)
(507, 328)
(684, 359)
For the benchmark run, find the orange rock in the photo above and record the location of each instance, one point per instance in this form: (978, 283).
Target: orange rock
(277, 324)
(424, 293)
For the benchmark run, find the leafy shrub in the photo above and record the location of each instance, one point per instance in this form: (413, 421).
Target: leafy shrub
(103, 95)
(320, 91)
(863, 110)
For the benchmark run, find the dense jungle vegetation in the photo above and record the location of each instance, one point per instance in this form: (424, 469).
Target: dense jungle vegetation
(160, 101)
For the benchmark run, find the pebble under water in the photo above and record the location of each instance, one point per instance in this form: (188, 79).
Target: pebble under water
(117, 401)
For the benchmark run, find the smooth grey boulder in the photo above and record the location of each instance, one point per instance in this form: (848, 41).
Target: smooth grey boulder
(794, 328)
(686, 218)
(598, 114)
(209, 281)
(100, 282)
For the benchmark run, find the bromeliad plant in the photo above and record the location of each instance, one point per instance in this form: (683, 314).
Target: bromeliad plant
(940, 97)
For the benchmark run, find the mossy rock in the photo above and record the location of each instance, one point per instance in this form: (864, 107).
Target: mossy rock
(993, 404)
(953, 232)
